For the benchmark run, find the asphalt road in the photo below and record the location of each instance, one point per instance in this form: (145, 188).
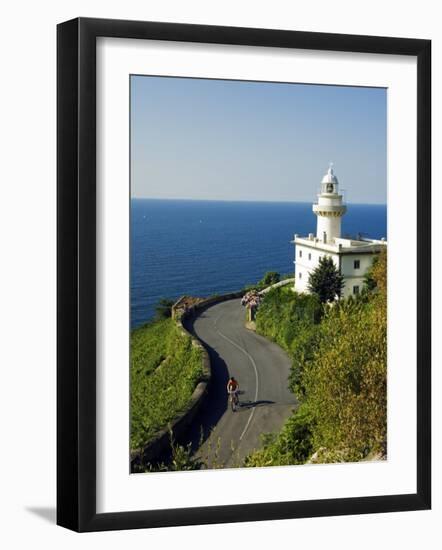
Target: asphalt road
(261, 369)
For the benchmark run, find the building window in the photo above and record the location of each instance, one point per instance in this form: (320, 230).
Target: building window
(357, 264)
(356, 289)
(300, 253)
(309, 256)
(300, 275)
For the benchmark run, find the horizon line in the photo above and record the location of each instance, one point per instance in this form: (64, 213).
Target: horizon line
(249, 200)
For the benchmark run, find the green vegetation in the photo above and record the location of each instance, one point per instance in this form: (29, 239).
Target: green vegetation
(369, 280)
(270, 278)
(326, 281)
(291, 446)
(165, 369)
(163, 309)
(291, 320)
(181, 459)
(339, 354)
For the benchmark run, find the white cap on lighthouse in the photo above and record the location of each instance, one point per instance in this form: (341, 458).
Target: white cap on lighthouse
(329, 209)
(330, 176)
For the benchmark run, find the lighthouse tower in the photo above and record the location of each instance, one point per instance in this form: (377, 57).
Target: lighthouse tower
(329, 209)
(352, 257)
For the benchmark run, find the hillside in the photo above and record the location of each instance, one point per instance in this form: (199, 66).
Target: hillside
(339, 367)
(165, 369)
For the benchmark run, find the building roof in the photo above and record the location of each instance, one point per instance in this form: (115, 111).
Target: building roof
(342, 246)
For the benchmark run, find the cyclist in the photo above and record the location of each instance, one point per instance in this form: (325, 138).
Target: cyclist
(232, 390)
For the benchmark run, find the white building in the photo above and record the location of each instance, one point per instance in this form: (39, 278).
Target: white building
(353, 257)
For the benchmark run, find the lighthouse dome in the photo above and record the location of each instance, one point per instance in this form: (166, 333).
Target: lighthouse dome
(330, 176)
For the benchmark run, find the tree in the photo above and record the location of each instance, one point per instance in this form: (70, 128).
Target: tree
(369, 281)
(163, 309)
(376, 278)
(270, 278)
(326, 281)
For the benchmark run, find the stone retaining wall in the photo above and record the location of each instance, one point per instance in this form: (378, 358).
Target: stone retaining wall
(181, 423)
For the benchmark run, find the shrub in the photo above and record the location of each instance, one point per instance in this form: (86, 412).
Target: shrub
(283, 312)
(291, 446)
(291, 319)
(339, 368)
(270, 278)
(345, 380)
(163, 309)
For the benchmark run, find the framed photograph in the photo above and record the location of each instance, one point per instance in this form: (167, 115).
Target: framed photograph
(244, 251)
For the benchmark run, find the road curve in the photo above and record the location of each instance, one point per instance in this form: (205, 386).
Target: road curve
(261, 368)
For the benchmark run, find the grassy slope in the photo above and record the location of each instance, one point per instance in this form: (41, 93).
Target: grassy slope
(338, 374)
(165, 369)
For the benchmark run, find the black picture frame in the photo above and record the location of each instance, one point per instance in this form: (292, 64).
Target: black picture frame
(76, 273)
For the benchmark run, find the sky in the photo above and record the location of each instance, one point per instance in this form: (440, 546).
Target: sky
(257, 141)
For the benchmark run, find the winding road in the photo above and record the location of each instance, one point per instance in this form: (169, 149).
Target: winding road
(261, 368)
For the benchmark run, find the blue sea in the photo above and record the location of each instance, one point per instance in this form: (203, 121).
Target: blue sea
(201, 248)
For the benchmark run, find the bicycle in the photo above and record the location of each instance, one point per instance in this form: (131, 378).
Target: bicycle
(234, 400)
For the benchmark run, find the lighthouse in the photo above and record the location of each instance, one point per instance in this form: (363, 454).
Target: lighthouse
(352, 256)
(329, 209)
